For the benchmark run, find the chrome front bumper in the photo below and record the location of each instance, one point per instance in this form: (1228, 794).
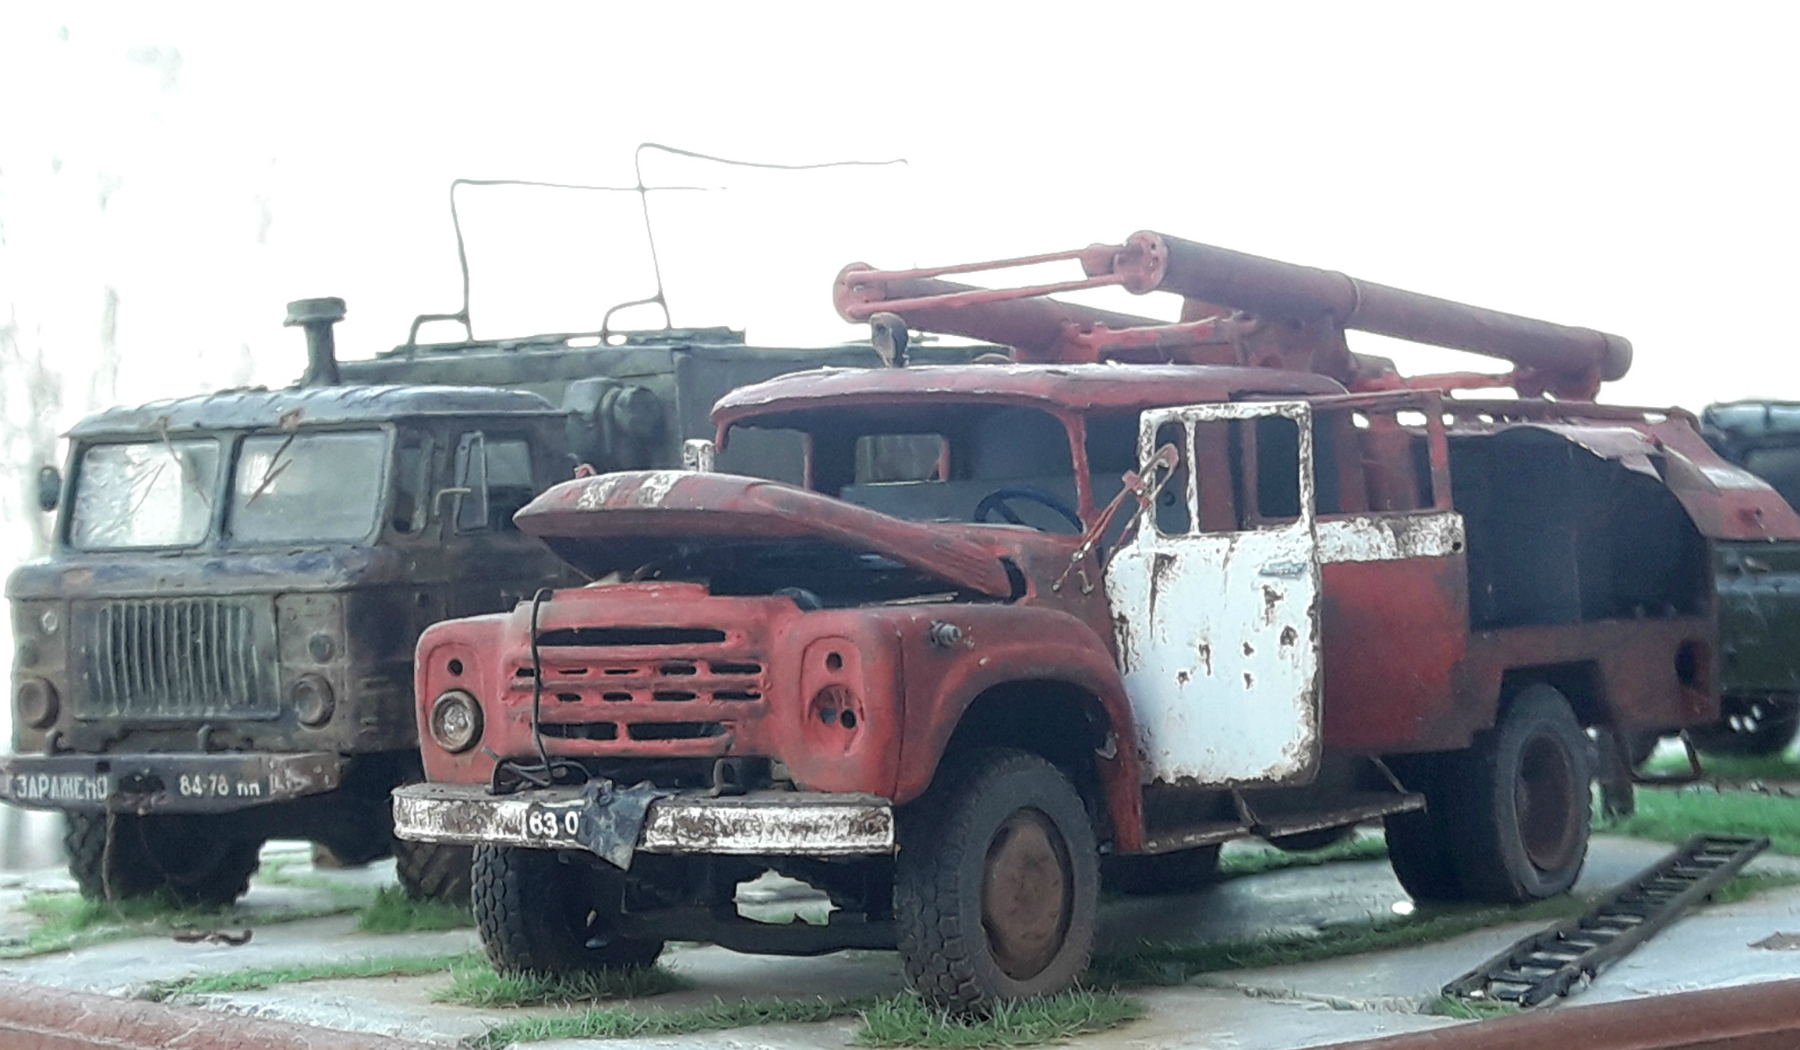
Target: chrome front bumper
(615, 822)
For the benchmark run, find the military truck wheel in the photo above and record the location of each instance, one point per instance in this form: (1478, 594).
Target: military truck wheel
(997, 883)
(177, 853)
(433, 871)
(1751, 725)
(539, 911)
(1418, 842)
(1153, 874)
(1520, 802)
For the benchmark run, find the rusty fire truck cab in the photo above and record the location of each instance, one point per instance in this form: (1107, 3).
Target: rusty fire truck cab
(1023, 624)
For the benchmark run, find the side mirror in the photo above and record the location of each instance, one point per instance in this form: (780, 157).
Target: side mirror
(49, 488)
(471, 479)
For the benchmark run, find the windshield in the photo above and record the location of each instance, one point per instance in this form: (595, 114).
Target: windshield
(149, 494)
(320, 487)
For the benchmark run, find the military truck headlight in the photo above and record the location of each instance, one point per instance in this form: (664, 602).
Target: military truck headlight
(35, 703)
(312, 699)
(455, 721)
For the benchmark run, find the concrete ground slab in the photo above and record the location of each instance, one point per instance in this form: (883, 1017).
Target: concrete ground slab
(1276, 1008)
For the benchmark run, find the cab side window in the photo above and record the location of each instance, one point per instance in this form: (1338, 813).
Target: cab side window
(494, 472)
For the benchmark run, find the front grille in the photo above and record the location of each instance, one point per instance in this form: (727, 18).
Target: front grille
(597, 702)
(176, 658)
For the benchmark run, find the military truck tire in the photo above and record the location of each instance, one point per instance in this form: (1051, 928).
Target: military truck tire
(433, 871)
(997, 882)
(1751, 725)
(1520, 802)
(1154, 874)
(539, 912)
(178, 854)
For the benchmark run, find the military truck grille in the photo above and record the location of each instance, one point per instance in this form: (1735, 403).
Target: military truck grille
(176, 658)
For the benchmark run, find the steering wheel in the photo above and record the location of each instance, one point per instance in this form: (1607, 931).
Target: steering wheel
(996, 501)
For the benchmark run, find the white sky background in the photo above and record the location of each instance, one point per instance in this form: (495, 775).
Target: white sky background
(1626, 167)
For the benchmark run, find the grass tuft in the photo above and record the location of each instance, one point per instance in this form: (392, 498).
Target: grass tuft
(475, 983)
(392, 911)
(907, 1020)
(1778, 767)
(1469, 1009)
(252, 980)
(1676, 815)
(616, 1022)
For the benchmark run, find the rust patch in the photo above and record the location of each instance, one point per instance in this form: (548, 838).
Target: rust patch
(1249, 681)
(1271, 598)
(1289, 636)
(1205, 652)
(1249, 650)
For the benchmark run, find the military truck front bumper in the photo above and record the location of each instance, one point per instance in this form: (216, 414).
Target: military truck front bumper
(614, 822)
(166, 783)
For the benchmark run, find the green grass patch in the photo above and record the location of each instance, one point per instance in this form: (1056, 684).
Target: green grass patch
(906, 1020)
(475, 983)
(254, 979)
(1746, 886)
(1729, 767)
(1469, 1009)
(1169, 963)
(392, 911)
(616, 1022)
(67, 921)
(1676, 815)
(1255, 860)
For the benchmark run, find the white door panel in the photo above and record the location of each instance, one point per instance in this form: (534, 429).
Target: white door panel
(1218, 631)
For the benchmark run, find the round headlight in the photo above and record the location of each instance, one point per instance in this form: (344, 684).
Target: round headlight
(312, 700)
(455, 721)
(35, 703)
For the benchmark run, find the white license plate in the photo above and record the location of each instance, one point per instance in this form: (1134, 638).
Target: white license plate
(552, 823)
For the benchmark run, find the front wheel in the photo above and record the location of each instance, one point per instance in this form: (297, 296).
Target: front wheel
(997, 883)
(550, 912)
(1520, 802)
(184, 855)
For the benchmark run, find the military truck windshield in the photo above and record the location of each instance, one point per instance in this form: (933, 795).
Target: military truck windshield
(145, 494)
(320, 487)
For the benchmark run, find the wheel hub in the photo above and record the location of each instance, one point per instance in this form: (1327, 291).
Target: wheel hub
(1548, 806)
(1026, 894)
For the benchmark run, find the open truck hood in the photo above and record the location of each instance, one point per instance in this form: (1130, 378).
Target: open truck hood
(664, 504)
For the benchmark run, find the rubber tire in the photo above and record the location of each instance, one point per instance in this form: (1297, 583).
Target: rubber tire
(1418, 842)
(180, 855)
(945, 839)
(1156, 874)
(434, 871)
(1487, 838)
(1772, 735)
(539, 913)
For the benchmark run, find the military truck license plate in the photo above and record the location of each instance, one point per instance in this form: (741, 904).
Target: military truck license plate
(220, 786)
(552, 824)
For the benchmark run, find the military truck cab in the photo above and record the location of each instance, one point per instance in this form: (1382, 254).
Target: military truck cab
(218, 649)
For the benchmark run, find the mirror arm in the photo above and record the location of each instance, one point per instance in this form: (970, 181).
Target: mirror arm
(437, 502)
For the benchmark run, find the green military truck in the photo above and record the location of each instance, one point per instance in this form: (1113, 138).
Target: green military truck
(218, 648)
(1759, 589)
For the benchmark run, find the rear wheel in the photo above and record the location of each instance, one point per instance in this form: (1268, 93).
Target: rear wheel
(548, 912)
(997, 883)
(1418, 842)
(1520, 802)
(183, 855)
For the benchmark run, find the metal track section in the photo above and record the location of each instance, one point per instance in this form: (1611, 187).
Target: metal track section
(1553, 963)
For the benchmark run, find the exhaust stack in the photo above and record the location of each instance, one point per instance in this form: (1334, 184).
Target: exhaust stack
(317, 316)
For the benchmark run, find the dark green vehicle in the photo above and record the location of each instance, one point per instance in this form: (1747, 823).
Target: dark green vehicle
(218, 649)
(1759, 589)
